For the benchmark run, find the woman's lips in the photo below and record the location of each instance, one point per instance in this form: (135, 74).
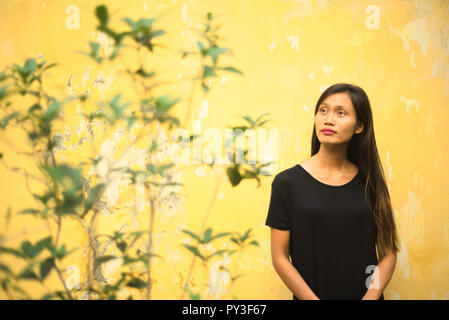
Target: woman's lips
(329, 132)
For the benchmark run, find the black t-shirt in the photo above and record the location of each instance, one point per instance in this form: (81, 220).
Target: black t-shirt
(332, 232)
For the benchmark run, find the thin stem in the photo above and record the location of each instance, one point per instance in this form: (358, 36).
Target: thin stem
(212, 201)
(190, 101)
(150, 241)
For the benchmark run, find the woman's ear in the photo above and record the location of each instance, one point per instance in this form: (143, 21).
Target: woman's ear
(359, 128)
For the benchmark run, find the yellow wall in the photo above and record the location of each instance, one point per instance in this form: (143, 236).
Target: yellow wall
(290, 51)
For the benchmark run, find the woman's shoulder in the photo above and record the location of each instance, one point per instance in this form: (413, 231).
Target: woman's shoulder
(285, 177)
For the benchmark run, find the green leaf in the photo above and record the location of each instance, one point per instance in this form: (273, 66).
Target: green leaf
(114, 53)
(6, 269)
(162, 168)
(206, 237)
(101, 12)
(143, 73)
(218, 235)
(164, 103)
(67, 176)
(51, 65)
(153, 146)
(231, 69)
(46, 267)
(193, 296)
(261, 116)
(32, 211)
(151, 168)
(117, 235)
(104, 259)
(28, 249)
(130, 121)
(30, 66)
(34, 107)
(208, 72)
(186, 53)
(145, 23)
(12, 251)
(122, 245)
(202, 49)
(47, 296)
(27, 273)
(250, 120)
(194, 250)
(254, 243)
(136, 283)
(157, 33)
(130, 22)
(43, 243)
(94, 195)
(233, 175)
(52, 112)
(219, 252)
(70, 202)
(235, 240)
(4, 121)
(205, 87)
(61, 252)
(245, 236)
(215, 51)
(192, 235)
(3, 76)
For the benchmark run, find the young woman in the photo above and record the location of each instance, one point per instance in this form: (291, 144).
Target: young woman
(330, 212)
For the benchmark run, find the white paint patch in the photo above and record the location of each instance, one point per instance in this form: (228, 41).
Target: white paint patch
(416, 30)
(394, 295)
(402, 260)
(218, 278)
(273, 44)
(327, 70)
(223, 80)
(204, 109)
(409, 103)
(200, 172)
(73, 280)
(86, 75)
(184, 12)
(303, 9)
(294, 42)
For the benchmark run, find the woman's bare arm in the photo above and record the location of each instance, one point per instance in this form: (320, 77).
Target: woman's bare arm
(381, 276)
(287, 272)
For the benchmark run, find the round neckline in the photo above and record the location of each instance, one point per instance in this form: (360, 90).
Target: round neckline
(325, 184)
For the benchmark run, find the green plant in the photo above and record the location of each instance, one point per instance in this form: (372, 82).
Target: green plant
(66, 191)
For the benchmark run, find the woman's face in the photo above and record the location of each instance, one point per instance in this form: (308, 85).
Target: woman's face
(336, 113)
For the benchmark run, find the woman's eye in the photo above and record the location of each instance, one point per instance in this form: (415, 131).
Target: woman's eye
(341, 112)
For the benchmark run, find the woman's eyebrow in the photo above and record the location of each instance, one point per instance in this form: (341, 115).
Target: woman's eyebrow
(344, 107)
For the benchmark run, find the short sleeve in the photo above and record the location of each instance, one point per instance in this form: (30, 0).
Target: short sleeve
(278, 216)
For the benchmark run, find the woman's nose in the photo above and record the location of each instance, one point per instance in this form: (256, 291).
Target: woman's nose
(329, 118)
